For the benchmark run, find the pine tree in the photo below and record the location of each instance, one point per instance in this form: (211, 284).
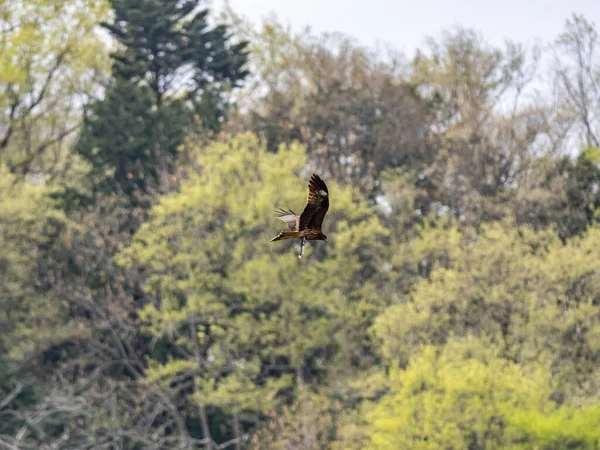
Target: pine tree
(170, 45)
(129, 142)
(171, 69)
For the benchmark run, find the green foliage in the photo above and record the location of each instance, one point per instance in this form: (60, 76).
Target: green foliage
(130, 143)
(26, 316)
(309, 423)
(455, 305)
(464, 396)
(246, 311)
(484, 137)
(348, 105)
(51, 60)
(23, 211)
(565, 427)
(521, 291)
(170, 45)
(169, 67)
(566, 196)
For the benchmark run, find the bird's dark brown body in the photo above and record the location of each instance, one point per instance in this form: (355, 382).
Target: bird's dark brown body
(314, 235)
(307, 226)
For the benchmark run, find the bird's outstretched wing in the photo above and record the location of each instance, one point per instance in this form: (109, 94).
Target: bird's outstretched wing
(289, 217)
(317, 204)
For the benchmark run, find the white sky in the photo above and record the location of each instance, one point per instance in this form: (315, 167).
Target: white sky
(405, 24)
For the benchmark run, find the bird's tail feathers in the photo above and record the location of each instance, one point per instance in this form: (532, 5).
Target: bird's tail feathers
(287, 235)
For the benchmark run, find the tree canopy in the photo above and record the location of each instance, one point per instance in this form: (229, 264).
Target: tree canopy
(144, 146)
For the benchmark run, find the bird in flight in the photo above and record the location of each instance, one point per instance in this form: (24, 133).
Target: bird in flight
(307, 226)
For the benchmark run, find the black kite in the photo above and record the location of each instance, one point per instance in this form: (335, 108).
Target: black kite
(307, 226)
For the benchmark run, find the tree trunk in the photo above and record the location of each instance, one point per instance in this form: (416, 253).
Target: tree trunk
(236, 430)
(206, 429)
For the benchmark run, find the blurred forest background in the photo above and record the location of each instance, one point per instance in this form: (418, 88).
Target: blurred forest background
(143, 147)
